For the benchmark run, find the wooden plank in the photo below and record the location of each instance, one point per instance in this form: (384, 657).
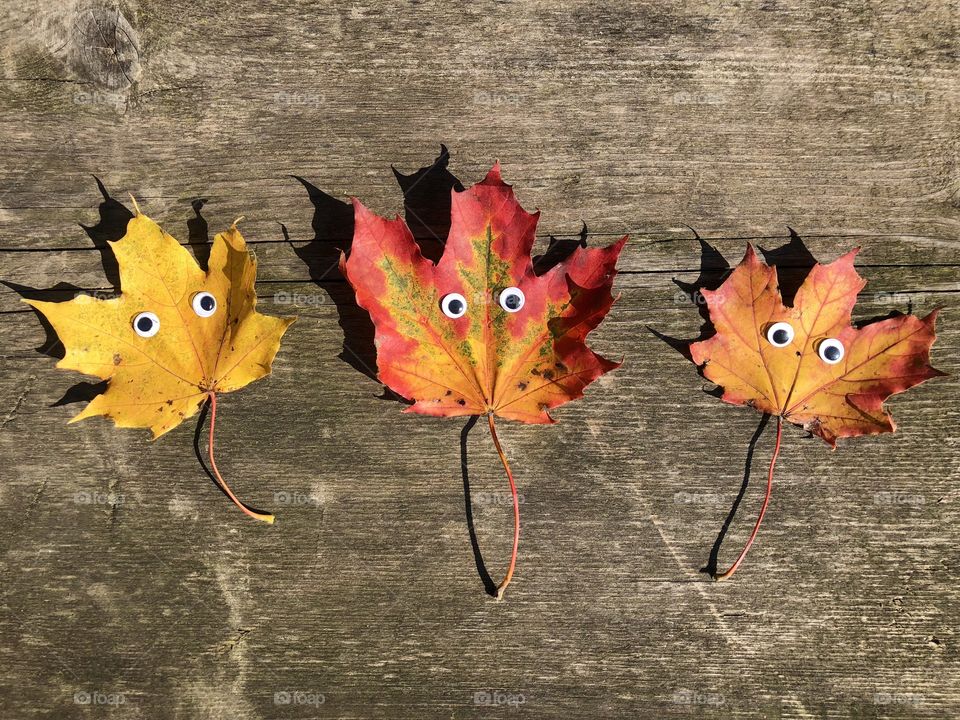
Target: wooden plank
(129, 577)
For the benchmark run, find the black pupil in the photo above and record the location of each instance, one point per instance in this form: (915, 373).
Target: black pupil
(207, 302)
(781, 336)
(455, 306)
(832, 352)
(144, 324)
(512, 301)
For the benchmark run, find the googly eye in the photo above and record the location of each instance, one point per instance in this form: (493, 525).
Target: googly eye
(204, 304)
(454, 305)
(146, 324)
(830, 351)
(512, 299)
(780, 334)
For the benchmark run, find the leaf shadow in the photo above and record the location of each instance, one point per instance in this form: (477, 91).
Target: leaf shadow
(198, 233)
(62, 291)
(84, 391)
(197, 435)
(488, 584)
(714, 269)
(427, 201)
(711, 567)
(332, 225)
(887, 316)
(558, 250)
(112, 226)
(793, 262)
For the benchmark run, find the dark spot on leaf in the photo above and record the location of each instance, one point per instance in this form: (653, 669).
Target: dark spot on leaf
(548, 374)
(461, 402)
(535, 371)
(117, 359)
(522, 385)
(560, 366)
(449, 393)
(169, 402)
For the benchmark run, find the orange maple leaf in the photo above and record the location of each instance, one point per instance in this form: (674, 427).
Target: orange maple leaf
(806, 363)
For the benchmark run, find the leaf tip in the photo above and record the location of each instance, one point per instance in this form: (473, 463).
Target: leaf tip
(359, 209)
(494, 176)
(848, 257)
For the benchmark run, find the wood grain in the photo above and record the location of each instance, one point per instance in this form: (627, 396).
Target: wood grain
(129, 579)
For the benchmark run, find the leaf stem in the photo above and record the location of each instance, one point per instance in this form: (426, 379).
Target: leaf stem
(265, 517)
(516, 509)
(763, 509)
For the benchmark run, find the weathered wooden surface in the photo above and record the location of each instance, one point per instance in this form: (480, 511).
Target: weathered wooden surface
(128, 577)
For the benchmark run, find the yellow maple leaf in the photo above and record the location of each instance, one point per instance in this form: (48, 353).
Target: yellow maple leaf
(175, 337)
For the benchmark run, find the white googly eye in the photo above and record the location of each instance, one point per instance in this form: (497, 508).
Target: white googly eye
(454, 305)
(780, 334)
(830, 351)
(204, 304)
(512, 299)
(146, 324)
